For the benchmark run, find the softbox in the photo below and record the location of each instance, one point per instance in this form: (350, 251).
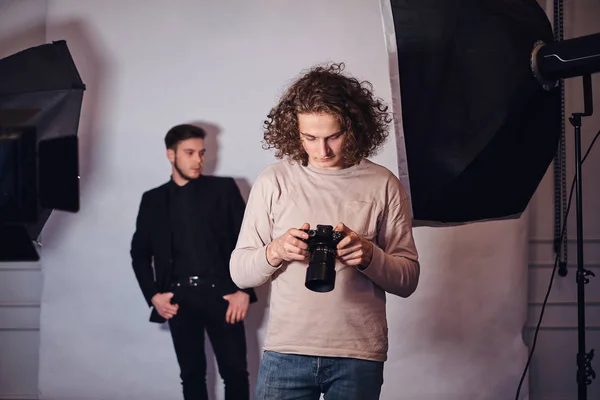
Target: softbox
(479, 129)
(40, 103)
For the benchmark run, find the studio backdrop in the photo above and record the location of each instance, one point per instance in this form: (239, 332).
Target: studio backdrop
(149, 65)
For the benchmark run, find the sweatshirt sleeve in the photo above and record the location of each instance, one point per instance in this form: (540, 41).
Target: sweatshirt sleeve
(248, 265)
(395, 267)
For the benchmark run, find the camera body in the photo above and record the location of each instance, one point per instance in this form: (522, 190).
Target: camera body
(322, 247)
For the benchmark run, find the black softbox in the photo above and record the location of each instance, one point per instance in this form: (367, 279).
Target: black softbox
(40, 103)
(480, 130)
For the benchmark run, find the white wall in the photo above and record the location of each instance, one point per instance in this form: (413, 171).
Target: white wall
(22, 25)
(94, 319)
(151, 65)
(148, 66)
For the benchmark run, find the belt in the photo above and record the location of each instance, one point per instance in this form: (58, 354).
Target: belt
(194, 281)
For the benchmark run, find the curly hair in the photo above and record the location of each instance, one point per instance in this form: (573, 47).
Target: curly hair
(324, 89)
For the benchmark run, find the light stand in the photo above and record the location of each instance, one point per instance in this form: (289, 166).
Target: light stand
(549, 63)
(585, 373)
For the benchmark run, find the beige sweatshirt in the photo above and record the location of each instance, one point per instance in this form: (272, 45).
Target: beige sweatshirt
(349, 321)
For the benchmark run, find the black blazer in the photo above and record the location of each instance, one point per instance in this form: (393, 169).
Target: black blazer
(220, 204)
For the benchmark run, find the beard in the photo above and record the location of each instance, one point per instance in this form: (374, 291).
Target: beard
(182, 174)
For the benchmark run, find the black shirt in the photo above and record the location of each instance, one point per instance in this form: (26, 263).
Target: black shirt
(195, 252)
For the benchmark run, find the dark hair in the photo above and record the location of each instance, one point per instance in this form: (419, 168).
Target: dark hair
(324, 89)
(182, 132)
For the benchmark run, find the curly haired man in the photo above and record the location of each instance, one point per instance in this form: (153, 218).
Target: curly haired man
(325, 126)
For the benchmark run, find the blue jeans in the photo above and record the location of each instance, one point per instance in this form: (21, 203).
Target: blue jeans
(291, 376)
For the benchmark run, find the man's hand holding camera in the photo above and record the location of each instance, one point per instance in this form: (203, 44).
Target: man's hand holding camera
(288, 247)
(354, 249)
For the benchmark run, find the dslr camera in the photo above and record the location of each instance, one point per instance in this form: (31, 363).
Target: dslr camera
(322, 247)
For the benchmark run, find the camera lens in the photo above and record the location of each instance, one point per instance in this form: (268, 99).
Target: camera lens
(320, 275)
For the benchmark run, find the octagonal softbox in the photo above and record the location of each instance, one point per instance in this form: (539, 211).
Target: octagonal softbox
(480, 131)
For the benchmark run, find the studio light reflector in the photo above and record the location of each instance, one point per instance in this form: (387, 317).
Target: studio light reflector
(479, 129)
(40, 103)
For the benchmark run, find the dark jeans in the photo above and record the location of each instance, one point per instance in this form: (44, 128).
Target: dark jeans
(203, 308)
